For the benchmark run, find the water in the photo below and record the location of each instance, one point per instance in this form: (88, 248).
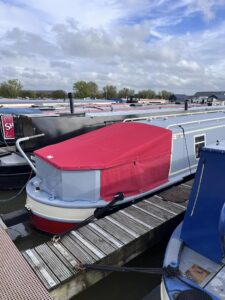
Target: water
(23, 235)
(132, 286)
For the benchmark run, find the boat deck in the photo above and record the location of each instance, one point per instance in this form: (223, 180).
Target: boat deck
(203, 271)
(114, 240)
(217, 283)
(18, 281)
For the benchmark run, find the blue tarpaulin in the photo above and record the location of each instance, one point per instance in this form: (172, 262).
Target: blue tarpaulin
(19, 111)
(203, 227)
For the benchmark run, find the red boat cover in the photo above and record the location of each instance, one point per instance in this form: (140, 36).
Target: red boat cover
(132, 157)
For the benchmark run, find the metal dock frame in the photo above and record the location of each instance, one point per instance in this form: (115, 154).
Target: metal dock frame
(18, 281)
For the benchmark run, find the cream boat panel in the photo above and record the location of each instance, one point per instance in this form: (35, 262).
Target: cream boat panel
(62, 214)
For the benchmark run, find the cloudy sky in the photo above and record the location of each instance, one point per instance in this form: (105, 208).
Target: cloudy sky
(177, 45)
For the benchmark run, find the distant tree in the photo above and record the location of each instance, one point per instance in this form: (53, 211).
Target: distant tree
(100, 94)
(58, 94)
(125, 93)
(10, 88)
(28, 94)
(110, 91)
(40, 95)
(165, 94)
(146, 94)
(81, 89)
(172, 98)
(92, 89)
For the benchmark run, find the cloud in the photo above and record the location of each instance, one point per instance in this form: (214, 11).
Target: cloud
(60, 64)
(51, 44)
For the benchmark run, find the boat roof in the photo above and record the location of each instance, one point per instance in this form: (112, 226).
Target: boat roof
(188, 122)
(216, 147)
(19, 110)
(156, 109)
(106, 147)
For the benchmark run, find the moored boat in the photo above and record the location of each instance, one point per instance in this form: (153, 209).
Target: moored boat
(14, 170)
(58, 126)
(76, 177)
(196, 250)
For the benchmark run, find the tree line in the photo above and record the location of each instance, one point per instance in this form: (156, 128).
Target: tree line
(81, 89)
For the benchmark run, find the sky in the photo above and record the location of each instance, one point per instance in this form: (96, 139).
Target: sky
(174, 45)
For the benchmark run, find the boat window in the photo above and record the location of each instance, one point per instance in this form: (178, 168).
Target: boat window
(199, 139)
(199, 143)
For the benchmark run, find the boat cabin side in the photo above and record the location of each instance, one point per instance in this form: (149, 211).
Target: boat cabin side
(179, 160)
(187, 142)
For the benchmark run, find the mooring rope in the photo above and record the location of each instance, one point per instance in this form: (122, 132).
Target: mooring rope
(98, 213)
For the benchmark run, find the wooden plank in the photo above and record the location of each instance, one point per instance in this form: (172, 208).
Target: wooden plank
(115, 231)
(41, 269)
(154, 210)
(122, 226)
(138, 207)
(66, 257)
(83, 247)
(138, 228)
(53, 262)
(182, 205)
(99, 241)
(136, 219)
(108, 237)
(161, 208)
(169, 206)
(78, 252)
(143, 217)
(87, 244)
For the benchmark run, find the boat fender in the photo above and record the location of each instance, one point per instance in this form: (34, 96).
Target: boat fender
(193, 295)
(99, 212)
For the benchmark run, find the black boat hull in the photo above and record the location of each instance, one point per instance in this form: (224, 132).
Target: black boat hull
(14, 177)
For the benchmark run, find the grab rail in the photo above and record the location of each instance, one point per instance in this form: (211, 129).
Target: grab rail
(170, 115)
(23, 153)
(194, 122)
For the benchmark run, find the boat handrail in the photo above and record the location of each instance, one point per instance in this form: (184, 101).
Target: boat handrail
(24, 139)
(195, 122)
(170, 115)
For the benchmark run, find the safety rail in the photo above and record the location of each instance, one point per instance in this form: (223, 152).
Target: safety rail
(24, 139)
(195, 122)
(150, 118)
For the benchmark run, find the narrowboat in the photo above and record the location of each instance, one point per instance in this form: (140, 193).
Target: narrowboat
(76, 177)
(194, 265)
(14, 170)
(17, 122)
(57, 127)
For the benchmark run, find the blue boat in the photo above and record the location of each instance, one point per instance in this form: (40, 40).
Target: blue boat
(194, 261)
